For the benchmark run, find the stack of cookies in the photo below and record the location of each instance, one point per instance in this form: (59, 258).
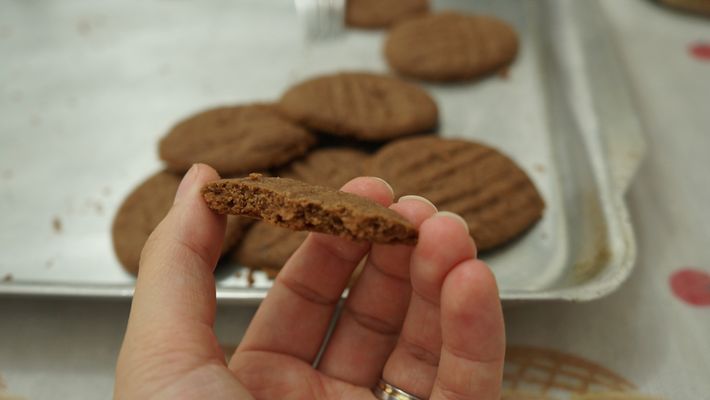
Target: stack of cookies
(331, 128)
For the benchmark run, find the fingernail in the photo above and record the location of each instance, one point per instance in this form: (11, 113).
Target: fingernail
(418, 198)
(454, 216)
(186, 182)
(385, 183)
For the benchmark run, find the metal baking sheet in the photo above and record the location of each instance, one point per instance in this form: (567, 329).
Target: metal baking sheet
(87, 89)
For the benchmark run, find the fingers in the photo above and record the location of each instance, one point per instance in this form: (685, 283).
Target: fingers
(444, 243)
(174, 302)
(294, 316)
(471, 364)
(372, 317)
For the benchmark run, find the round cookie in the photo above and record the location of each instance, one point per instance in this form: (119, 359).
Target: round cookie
(143, 210)
(332, 167)
(450, 46)
(361, 105)
(485, 187)
(233, 140)
(267, 247)
(381, 14)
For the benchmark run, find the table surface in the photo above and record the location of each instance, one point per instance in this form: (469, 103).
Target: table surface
(644, 332)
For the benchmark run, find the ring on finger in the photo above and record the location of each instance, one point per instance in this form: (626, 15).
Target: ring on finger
(386, 391)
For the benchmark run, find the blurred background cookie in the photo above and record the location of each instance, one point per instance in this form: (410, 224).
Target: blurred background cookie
(485, 187)
(234, 140)
(332, 166)
(366, 106)
(695, 6)
(267, 247)
(142, 211)
(382, 13)
(450, 46)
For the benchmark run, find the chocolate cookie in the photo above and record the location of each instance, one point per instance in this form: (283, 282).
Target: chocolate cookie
(361, 105)
(381, 14)
(332, 167)
(299, 206)
(449, 46)
(268, 247)
(485, 187)
(143, 210)
(234, 140)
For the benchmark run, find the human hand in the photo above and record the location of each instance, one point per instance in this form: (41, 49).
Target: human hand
(427, 318)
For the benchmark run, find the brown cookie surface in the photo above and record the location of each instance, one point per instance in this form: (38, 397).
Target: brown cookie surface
(300, 206)
(233, 140)
(143, 210)
(381, 14)
(450, 46)
(361, 105)
(268, 247)
(485, 187)
(331, 167)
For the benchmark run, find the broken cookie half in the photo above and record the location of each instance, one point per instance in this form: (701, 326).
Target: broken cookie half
(303, 207)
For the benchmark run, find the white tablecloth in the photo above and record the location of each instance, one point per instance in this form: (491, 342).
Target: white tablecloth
(642, 333)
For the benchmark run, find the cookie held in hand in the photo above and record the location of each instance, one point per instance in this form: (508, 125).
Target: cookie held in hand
(299, 206)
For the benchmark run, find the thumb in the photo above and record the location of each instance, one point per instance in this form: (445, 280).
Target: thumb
(174, 303)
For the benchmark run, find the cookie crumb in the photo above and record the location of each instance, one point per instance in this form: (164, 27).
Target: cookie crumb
(57, 225)
(5, 32)
(35, 120)
(83, 27)
(250, 277)
(8, 278)
(94, 205)
(255, 176)
(539, 168)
